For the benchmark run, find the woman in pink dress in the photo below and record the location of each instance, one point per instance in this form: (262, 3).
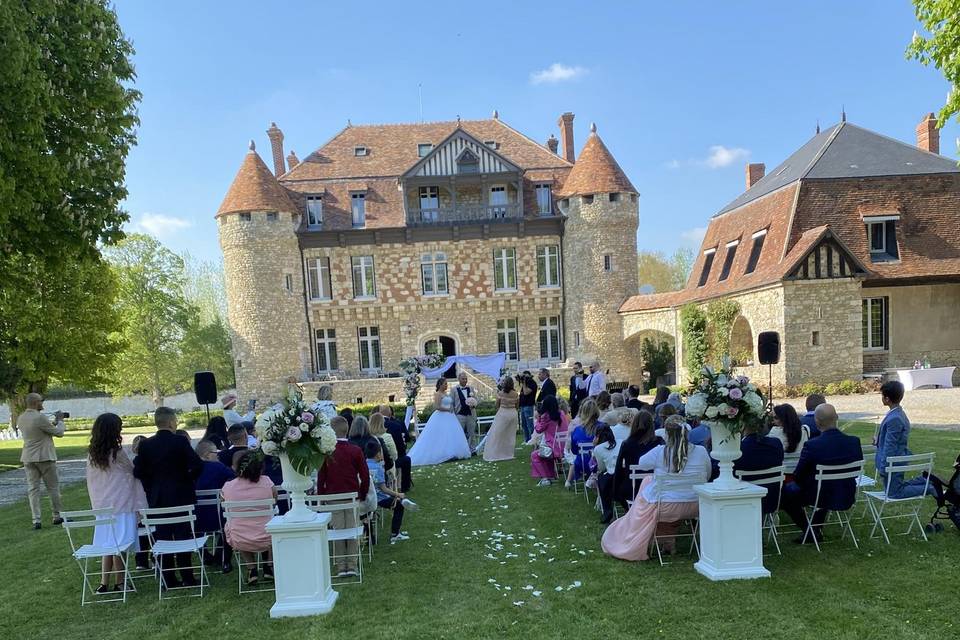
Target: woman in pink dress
(551, 421)
(249, 535)
(111, 485)
(628, 538)
(501, 440)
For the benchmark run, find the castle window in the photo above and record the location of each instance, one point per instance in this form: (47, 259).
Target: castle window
(548, 266)
(364, 282)
(369, 342)
(874, 323)
(360, 151)
(358, 209)
(244, 217)
(423, 149)
(814, 338)
(708, 256)
(576, 339)
(882, 236)
(587, 199)
(314, 212)
(755, 250)
(505, 269)
(433, 272)
(326, 350)
(272, 216)
(318, 278)
(614, 197)
(608, 263)
(544, 206)
(550, 337)
(728, 259)
(429, 203)
(288, 282)
(508, 341)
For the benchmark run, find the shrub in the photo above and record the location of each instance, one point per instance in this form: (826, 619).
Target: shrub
(657, 356)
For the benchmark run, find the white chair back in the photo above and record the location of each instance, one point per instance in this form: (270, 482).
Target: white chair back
(790, 461)
(920, 462)
(636, 475)
(836, 472)
(237, 509)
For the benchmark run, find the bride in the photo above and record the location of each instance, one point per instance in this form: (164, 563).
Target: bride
(442, 438)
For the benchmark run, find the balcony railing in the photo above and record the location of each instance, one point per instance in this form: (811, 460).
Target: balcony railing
(464, 214)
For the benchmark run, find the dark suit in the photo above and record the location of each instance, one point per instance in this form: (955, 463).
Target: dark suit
(808, 420)
(758, 453)
(547, 388)
(168, 467)
(576, 394)
(398, 431)
(638, 404)
(832, 447)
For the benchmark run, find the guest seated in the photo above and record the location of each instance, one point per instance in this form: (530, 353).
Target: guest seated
(249, 535)
(401, 437)
(661, 396)
(641, 440)
(347, 414)
(892, 441)
(237, 437)
(699, 433)
(621, 429)
(833, 447)
(251, 433)
(629, 537)
(605, 456)
(589, 420)
(214, 475)
(549, 422)
(665, 411)
(617, 406)
(633, 399)
(359, 433)
(217, 432)
(788, 429)
(758, 452)
(603, 401)
(387, 498)
(388, 448)
(808, 420)
(345, 471)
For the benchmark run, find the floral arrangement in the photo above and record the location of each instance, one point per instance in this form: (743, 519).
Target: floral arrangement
(728, 399)
(293, 428)
(411, 368)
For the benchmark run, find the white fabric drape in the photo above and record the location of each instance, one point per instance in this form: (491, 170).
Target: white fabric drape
(488, 365)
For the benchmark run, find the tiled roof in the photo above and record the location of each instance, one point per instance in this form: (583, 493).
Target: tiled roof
(596, 171)
(255, 189)
(392, 149)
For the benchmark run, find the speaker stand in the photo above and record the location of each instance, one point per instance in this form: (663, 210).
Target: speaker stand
(208, 414)
(770, 381)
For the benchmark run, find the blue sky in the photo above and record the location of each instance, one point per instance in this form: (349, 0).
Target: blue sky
(683, 93)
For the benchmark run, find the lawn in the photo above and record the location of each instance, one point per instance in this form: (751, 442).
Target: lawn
(548, 579)
(72, 445)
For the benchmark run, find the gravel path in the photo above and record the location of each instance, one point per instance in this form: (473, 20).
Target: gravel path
(932, 408)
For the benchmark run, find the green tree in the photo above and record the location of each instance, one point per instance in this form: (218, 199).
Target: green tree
(940, 47)
(207, 347)
(205, 288)
(663, 273)
(657, 356)
(156, 317)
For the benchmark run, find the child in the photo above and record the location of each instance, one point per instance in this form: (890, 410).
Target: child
(249, 535)
(387, 497)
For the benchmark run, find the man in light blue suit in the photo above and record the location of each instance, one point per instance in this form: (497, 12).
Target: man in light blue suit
(892, 441)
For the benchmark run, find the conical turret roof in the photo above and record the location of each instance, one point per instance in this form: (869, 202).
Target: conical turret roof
(595, 171)
(255, 189)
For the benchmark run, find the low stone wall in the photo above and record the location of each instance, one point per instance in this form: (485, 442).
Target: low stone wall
(361, 390)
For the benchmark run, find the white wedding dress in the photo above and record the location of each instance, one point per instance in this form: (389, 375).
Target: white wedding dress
(441, 439)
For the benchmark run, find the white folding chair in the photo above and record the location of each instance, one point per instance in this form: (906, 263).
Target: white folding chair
(637, 474)
(239, 510)
(559, 462)
(159, 517)
(211, 498)
(346, 503)
(584, 454)
(878, 500)
(834, 473)
(866, 481)
(483, 426)
(675, 482)
(84, 553)
(768, 479)
(790, 461)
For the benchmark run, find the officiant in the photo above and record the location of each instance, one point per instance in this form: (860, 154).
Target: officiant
(465, 406)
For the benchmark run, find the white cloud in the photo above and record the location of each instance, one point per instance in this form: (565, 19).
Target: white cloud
(557, 73)
(694, 237)
(673, 164)
(160, 225)
(721, 156)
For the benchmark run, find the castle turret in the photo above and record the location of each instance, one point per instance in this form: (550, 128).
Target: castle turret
(257, 225)
(599, 258)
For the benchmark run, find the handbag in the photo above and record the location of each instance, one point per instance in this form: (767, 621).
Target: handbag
(544, 450)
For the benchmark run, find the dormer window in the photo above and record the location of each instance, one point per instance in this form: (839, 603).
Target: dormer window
(882, 237)
(468, 163)
(360, 151)
(358, 209)
(728, 259)
(423, 149)
(493, 144)
(708, 256)
(755, 250)
(314, 212)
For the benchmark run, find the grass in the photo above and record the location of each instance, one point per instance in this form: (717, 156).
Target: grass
(443, 583)
(72, 445)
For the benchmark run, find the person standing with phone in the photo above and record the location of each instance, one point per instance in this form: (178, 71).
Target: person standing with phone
(39, 456)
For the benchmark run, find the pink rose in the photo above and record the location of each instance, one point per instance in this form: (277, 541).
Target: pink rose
(293, 434)
(736, 394)
(732, 412)
(307, 417)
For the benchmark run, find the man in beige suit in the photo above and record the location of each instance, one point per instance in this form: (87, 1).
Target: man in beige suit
(39, 456)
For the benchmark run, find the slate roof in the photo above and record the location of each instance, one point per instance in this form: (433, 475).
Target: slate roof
(255, 189)
(596, 171)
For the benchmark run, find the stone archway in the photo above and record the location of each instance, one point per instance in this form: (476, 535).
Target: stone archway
(633, 345)
(741, 343)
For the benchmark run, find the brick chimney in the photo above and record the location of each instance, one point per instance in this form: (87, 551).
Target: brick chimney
(553, 144)
(276, 144)
(292, 159)
(755, 171)
(566, 136)
(928, 135)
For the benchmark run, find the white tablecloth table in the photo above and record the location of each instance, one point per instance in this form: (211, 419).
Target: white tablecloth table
(916, 378)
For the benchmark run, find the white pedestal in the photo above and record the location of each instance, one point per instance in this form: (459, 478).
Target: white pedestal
(301, 566)
(731, 539)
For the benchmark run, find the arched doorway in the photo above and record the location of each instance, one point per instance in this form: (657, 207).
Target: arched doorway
(741, 343)
(444, 345)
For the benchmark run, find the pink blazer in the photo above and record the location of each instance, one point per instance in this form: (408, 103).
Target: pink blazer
(115, 486)
(549, 429)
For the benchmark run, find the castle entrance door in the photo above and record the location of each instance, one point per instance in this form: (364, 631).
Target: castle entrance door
(445, 345)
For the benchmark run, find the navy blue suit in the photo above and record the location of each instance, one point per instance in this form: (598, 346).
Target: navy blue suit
(758, 453)
(808, 420)
(831, 448)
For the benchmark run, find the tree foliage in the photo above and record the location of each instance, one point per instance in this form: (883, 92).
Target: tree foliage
(663, 273)
(657, 356)
(693, 329)
(940, 47)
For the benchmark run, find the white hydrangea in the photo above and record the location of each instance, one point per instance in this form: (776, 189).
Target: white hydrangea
(269, 447)
(754, 401)
(696, 405)
(711, 412)
(328, 440)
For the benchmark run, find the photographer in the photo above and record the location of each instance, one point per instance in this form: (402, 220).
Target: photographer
(39, 456)
(528, 398)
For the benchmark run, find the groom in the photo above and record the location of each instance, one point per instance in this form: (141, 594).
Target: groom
(466, 414)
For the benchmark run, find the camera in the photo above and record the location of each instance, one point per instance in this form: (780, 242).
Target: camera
(63, 414)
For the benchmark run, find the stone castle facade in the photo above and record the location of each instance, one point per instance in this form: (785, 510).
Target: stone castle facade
(398, 240)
